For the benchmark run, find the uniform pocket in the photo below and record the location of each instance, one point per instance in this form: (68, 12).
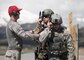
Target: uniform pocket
(8, 54)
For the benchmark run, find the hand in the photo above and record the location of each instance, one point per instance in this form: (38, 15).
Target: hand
(49, 24)
(39, 20)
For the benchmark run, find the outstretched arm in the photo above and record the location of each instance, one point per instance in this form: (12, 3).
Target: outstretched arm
(16, 28)
(44, 34)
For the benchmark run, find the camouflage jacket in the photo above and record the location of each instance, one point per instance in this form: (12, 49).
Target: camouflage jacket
(15, 34)
(39, 27)
(44, 35)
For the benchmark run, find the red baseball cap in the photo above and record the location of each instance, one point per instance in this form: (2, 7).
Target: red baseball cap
(13, 8)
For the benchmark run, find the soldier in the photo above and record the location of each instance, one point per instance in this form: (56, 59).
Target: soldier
(44, 19)
(60, 46)
(15, 34)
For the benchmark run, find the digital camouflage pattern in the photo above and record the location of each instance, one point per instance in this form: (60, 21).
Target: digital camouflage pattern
(68, 50)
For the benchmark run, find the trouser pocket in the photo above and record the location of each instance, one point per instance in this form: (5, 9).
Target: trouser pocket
(10, 55)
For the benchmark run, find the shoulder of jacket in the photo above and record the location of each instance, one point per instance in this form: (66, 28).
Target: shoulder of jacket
(46, 29)
(12, 24)
(66, 31)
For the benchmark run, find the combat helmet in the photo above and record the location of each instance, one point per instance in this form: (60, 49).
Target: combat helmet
(56, 19)
(47, 12)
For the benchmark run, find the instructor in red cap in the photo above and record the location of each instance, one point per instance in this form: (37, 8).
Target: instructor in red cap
(15, 34)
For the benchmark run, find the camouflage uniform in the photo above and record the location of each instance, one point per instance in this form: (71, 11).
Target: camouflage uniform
(15, 34)
(39, 52)
(39, 28)
(69, 50)
(40, 24)
(60, 46)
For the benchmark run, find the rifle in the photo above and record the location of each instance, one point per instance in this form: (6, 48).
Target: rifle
(38, 28)
(41, 16)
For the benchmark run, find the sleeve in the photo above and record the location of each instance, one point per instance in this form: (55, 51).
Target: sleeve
(44, 34)
(24, 34)
(70, 48)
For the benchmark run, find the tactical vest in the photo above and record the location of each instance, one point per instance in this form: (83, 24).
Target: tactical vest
(57, 43)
